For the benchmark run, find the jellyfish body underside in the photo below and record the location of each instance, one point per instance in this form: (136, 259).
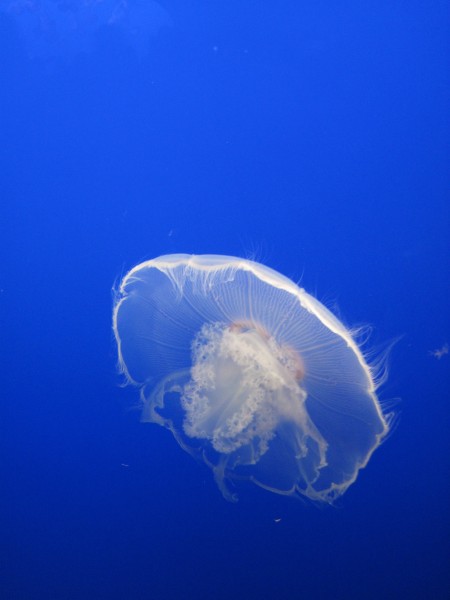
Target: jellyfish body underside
(250, 373)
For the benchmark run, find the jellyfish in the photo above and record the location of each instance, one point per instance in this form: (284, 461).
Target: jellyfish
(251, 374)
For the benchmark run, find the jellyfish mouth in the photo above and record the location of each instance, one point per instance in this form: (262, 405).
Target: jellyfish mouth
(244, 326)
(288, 356)
(242, 385)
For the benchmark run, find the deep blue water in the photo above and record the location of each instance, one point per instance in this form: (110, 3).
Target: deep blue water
(313, 135)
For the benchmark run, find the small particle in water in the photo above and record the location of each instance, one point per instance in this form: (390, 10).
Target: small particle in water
(439, 352)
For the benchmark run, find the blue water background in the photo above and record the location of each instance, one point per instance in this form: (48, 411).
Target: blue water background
(311, 135)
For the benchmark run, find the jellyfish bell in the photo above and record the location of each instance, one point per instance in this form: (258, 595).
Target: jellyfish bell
(252, 375)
